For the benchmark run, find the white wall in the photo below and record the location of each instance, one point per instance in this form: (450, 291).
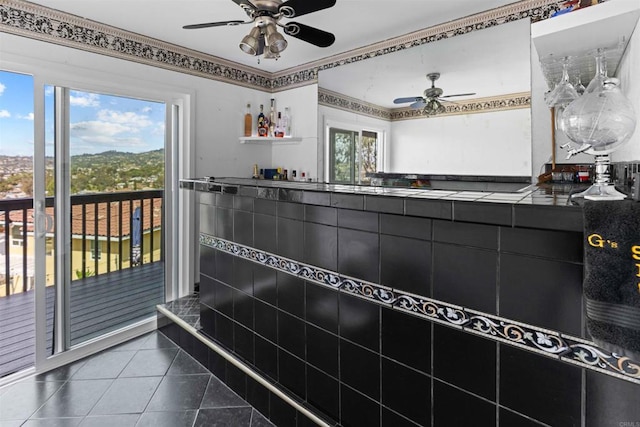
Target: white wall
(497, 143)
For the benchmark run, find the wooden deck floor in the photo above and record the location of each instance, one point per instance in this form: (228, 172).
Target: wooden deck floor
(99, 304)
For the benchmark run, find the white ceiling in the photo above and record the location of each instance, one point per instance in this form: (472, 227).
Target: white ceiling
(355, 23)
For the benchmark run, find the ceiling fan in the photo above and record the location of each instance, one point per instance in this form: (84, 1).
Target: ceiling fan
(265, 15)
(431, 101)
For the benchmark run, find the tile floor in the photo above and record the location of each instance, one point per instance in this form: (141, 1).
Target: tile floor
(147, 381)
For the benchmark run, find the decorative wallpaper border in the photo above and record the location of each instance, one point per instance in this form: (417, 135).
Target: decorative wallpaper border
(30, 20)
(542, 341)
(491, 104)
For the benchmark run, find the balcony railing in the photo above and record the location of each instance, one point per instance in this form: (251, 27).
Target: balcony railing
(110, 232)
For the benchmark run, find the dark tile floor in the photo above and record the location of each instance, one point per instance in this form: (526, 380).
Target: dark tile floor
(147, 381)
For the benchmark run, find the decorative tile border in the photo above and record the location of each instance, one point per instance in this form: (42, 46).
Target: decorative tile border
(30, 20)
(512, 101)
(543, 341)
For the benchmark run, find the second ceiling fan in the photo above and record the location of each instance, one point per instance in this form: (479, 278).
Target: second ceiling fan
(431, 101)
(265, 15)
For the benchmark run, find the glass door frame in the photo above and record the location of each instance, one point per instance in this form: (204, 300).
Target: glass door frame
(179, 249)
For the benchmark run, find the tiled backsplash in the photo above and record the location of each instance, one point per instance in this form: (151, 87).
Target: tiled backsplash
(367, 326)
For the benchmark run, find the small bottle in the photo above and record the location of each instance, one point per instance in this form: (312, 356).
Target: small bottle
(294, 176)
(248, 121)
(272, 118)
(255, 172)
(286, 122)
(285, 175)
(262, 129)
(279, 128)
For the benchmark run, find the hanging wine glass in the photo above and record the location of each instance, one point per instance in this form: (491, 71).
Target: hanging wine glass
(600, 122)
(579, 86)
(564, 92)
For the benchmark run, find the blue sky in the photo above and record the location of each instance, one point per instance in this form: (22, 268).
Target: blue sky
(98, 122)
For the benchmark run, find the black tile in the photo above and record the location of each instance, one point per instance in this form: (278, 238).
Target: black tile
(148, 363)
(224, 267)
(558, 245)
(460, 233)
(358, 410)
(406, 392)
(264, 232)
(167, 419)
(483, 213)
(26, 397)
(465, 360)
(73, 399)
(281, 413)
(224, 331)
(243, 308)
(218, 395)
(390, 418)
(264, 284)
(237, 417)
(511, 419)
(217, 364)
(266, 357)
(207, 291)
(207, 320)
(224, 201)
(360, 321)
(453, 407)
(236, 380)
(322, 307)
(323, 392)
(104, 365)
(290, 210)
(290, 238)
(406, 339)
(465, 276)
(360, 369)
(548, 217)
(184, 364)
(185, 341)
(365, 221)
(207, 220)
(322, 350)
(358, 254)
(290, 195)
(224, 223)
(243, 227)
(291, 373)
(258, 396)
(393, 205)
(347, 201)
(611, 401)
(243, 342)
(266, 207)
(120, 420)
(316, 198)
(406, 226)
(291, 294)
(291, 334)
(429, 208)
(242, 275)
(405, 264)
(553, 390)
(541, 292)
(266, 322)
(207, 261)
(200, 353)
(223, 298)
(321, 245)
(321, 215)
(243, 203)
(179, 393)
(127, 395)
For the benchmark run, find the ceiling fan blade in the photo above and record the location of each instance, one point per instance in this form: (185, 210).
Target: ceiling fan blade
(408, 99)
(245, 4)
(418, 104)
(458, 94)
(292, 8)
(309, 34)
(213, 24)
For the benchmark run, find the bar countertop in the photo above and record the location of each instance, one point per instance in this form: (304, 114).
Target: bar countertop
(545, 206)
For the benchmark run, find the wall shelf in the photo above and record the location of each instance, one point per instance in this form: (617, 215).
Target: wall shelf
(577, 34)
(268, 140)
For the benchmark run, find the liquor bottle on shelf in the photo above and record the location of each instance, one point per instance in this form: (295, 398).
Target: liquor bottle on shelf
(262, 126)
(286, 122)
(248, 121)
(279, 132)
(272, 118)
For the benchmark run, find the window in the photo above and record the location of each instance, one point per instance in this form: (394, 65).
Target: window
(353, 154)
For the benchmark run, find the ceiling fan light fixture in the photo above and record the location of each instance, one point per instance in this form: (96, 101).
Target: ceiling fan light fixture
(434, 107)
(275, 40)
(250, 42)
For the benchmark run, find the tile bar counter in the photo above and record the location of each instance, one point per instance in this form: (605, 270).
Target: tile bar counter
(385, 306)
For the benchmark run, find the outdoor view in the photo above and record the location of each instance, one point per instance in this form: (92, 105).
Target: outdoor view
(116, 178)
